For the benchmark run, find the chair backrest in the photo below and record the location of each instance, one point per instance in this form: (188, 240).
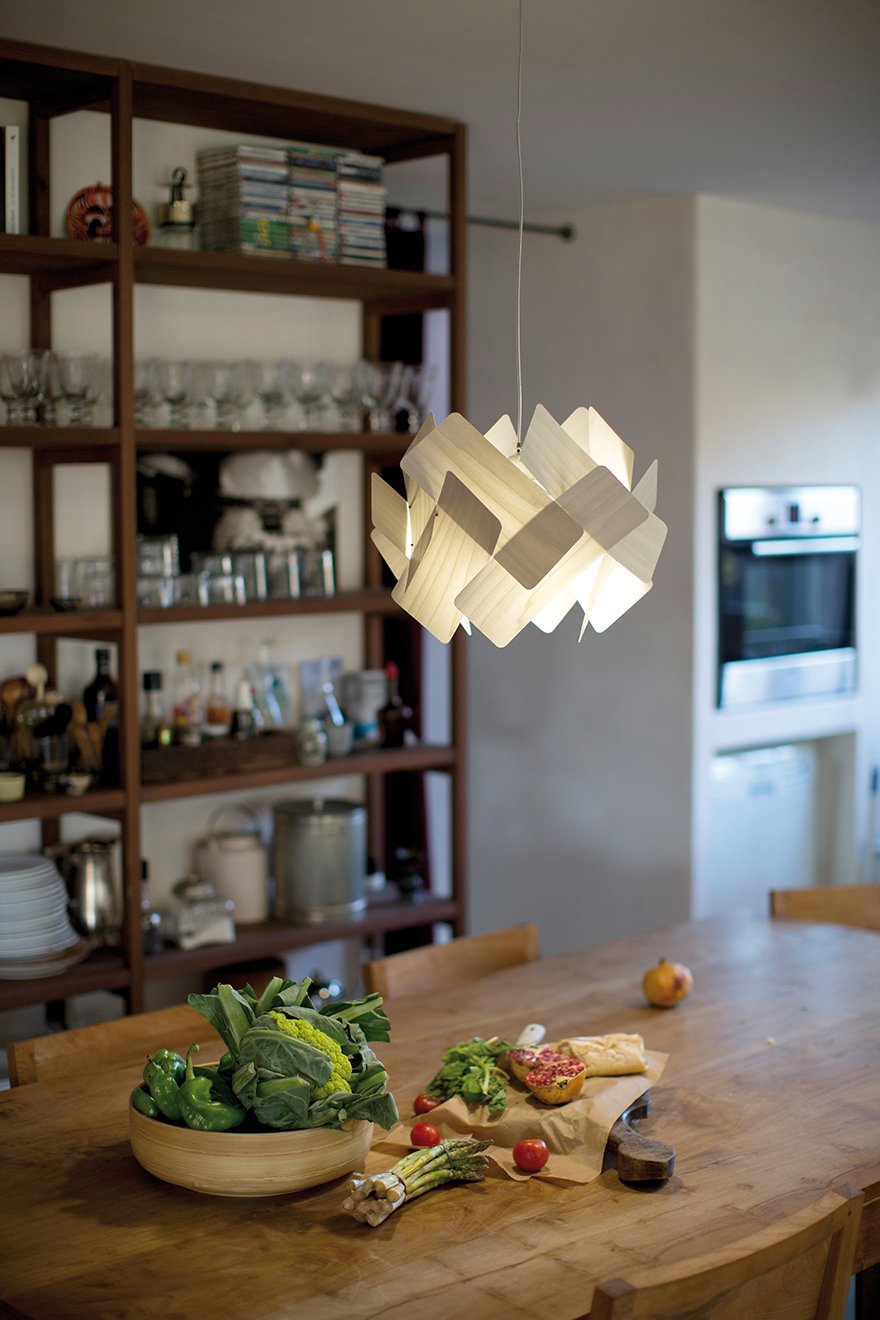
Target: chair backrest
(433, 966)
(123, 1042)
(847, 905)
(797, 1269)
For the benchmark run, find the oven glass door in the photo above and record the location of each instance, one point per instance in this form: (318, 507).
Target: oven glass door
(779, 600)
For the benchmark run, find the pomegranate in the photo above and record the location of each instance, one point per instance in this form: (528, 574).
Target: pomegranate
(667, 984)
(521, 1061)
(556, 1082)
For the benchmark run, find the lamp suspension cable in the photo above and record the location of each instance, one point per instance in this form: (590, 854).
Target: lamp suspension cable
(519, 253)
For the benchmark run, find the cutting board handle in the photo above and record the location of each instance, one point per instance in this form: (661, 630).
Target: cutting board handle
(639, 1159)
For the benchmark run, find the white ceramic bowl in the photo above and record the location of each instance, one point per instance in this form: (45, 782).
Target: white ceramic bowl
(11, 786)
(247, 1163)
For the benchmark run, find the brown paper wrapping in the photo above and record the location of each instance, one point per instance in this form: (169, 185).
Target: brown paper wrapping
(576, 1133)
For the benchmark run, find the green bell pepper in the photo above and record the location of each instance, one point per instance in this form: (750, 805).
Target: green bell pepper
(172, 1063)
(197, 1107)
(163, 1088)
(144, 1103)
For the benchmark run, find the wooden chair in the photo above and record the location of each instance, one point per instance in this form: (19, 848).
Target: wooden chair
(122, 1043)
(847, 905)
(798, 1269)
(436, 965)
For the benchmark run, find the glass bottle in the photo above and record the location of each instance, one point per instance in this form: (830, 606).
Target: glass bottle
(102, 689)
(155, 729)
(244, 724)
(188, 715)
(218, 716)
(394, 717)
(151, 920)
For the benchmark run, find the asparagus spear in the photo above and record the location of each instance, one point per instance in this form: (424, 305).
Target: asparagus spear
(372, 1199)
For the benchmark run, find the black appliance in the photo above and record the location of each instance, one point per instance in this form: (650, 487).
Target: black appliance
(786, 593)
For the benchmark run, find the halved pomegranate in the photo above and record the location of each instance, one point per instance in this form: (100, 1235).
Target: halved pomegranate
(557, 1081)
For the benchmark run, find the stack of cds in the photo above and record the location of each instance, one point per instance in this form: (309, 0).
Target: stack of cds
(244, 199)
(313, 200)
(302, 200)
(361, 194)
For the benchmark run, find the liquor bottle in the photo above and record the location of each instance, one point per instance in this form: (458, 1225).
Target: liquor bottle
(102, 689)
(155, 729)
(244, 724)
(218, 715)
(188, 716)
(394, 717)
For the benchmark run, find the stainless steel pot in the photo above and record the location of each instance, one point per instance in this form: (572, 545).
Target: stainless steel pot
(319, 851)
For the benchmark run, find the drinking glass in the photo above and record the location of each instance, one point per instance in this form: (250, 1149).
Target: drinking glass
(310, 384)
(51, 388)
(191, 589)
(156, 591)
(54, 760)
(8, 393)
(95, 581)
(77, 372)
(272, 388)
(175, 385)
(345, 394)
(146, 390)
(24, 378)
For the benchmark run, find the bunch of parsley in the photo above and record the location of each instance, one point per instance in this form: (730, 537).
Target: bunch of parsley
(471, 1070)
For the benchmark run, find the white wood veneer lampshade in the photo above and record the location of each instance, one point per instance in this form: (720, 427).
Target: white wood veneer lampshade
(498, 540)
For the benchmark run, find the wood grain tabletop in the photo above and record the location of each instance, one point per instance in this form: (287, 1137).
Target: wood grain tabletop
(771, 1095)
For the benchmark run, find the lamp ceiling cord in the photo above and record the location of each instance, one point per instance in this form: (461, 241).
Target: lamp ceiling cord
(519, 392)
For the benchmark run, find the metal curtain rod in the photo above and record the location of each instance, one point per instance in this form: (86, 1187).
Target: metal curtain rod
(565, 232)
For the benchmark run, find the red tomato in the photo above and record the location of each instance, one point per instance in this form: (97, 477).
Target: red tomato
(424, 1103)
(530, 1155)
(425, 1134)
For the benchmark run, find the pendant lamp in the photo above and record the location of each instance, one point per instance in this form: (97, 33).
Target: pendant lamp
(498, 532)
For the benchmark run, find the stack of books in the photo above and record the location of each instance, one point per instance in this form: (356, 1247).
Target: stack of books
(361, 193)
(244, 200)
(313, 200)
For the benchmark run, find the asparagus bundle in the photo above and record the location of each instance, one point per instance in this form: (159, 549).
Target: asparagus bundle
(373, 1199)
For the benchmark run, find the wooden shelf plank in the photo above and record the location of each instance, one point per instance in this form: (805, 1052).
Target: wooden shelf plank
(28, 254)
(48, 806)
(276, 938)
(69, 623)
(282, 275)
(100, 971)
(381, 761)
(61, 438)
(353, 602)
(371, 443)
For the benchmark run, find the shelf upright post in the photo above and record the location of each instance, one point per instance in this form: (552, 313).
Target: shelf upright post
(124, 480)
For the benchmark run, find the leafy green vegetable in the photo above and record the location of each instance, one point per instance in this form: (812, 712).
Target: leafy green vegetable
(287, 1080)
(471, 1070)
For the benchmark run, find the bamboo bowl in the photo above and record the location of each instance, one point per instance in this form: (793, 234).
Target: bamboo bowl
(247, 1163)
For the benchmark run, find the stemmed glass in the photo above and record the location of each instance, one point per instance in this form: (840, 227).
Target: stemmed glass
(345, 394)
(417, 386)
(23, 370)
(77, 372)
(8, 392)
(175, 384)
(310, 383)
(145, 390)
(272, 388)
(380, 388)
(51, 389)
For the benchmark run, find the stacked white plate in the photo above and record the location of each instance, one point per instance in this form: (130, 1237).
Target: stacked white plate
(36, 937)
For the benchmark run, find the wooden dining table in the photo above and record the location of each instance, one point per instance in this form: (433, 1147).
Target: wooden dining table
(770, 1096)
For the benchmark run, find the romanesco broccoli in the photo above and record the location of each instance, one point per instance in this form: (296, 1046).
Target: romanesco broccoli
(312, 1035)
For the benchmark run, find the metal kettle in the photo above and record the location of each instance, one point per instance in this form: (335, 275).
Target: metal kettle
(89, 871)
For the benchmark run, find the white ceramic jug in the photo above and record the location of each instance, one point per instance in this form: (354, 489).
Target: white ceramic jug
(236, 862)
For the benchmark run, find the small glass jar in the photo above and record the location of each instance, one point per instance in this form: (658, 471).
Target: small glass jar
(312, 742)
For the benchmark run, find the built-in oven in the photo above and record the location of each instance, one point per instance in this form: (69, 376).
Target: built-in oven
(786, 593)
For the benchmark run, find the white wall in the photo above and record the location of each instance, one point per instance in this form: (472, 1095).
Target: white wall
(580, 759)
(788, 390)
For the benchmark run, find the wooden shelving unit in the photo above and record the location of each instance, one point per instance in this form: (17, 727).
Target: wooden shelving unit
(56, 82)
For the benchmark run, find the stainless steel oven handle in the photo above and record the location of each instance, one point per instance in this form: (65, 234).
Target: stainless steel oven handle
(819, 545)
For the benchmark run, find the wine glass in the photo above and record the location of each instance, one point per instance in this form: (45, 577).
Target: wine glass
(346, 396)
(174, 379)
(310, 384)
(24, 378)
(77, 372)
(272, 388)
(51, 389)
(8, 392)
(146, 390)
